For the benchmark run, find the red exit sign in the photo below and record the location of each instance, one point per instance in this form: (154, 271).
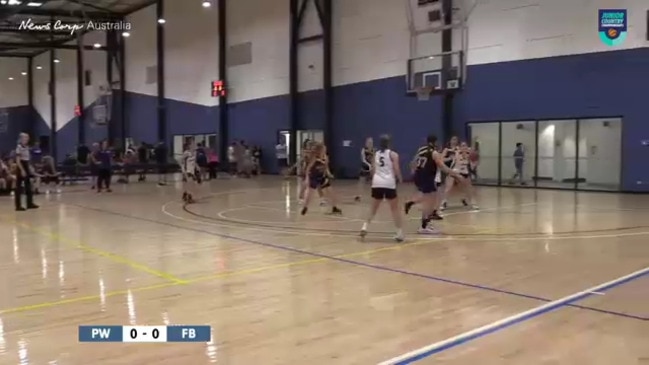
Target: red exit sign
(218, 88)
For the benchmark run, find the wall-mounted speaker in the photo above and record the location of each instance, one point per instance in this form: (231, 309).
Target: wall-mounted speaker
(520, 126)
(606, 123)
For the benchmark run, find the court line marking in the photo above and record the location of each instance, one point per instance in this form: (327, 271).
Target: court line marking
(101, 253)
(468, 336)
(222, 275)
(522, 237)
(357, 263)
(444, 237)
(229, 223)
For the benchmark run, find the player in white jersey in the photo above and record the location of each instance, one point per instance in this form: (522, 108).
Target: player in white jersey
(190, 172)
(462, 165)
(386, 173)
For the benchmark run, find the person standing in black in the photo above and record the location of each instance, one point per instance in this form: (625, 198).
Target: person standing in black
(105, 171)
(143, 159)
(160, 153)
(24, 174)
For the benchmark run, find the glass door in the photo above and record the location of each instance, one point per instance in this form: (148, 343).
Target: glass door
(518, 153)
(600, 154)
(485, 142)
(557, 160)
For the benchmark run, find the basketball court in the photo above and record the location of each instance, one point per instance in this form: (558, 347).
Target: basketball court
(535, 277)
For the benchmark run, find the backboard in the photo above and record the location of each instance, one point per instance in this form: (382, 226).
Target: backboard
(443, 72)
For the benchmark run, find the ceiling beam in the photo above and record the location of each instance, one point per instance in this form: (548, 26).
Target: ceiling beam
(79, 14)
(9, 11)
(48, 45)
(15, 55)
(92, 6)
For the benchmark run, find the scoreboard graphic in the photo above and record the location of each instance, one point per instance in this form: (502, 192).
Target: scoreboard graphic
(144, 334)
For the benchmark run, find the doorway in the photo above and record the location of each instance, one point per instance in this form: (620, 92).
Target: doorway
(302, 136)
(208, 140)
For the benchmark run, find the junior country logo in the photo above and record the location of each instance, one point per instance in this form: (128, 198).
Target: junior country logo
(612, 26)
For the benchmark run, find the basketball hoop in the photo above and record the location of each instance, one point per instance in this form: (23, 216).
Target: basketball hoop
(423, 93)
(102, 108)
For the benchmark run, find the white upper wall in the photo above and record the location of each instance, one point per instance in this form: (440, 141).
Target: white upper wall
(191, 51)
(264, 23)
(508, 30)
(95, 62)
(190, 30)
(66, 86)
(371, 40)
(13, 92)
(41, 72)
(141, 51)
(66, 80)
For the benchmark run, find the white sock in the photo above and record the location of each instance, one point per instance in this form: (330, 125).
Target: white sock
(364, 227)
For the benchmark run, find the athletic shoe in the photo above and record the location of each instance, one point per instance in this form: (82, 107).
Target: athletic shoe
(428, 230)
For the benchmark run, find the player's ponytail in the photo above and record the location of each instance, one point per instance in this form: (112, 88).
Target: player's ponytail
(384, 143)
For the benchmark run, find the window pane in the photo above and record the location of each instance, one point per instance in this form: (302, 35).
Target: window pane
(484, 139)
(557, 154)
(600, 148)
(518, 153)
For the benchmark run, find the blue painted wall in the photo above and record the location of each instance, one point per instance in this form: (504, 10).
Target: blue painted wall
(67, 136)
(588, 85)
(18, 119)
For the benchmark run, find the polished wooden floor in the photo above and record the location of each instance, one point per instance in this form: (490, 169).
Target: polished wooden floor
(278, 288)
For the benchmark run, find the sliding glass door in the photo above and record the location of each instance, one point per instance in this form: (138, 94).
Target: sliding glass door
(573, 154)
(557, 154)
(600, 154)
(485, 138)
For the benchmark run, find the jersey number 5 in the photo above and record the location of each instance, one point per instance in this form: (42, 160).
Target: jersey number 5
(382, 161)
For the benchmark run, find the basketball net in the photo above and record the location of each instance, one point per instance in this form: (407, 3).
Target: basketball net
(423, 93)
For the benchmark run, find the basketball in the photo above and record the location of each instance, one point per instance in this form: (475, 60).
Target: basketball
(612, 33)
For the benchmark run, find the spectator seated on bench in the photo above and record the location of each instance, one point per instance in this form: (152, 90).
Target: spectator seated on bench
(7, 178)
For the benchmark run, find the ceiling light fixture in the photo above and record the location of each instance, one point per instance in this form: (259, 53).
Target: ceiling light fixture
(126, 34)
(11, 79)
(97, 45)
(56, 60)
(39, 67)
(207, 4)
(24, 73)
(161, 21)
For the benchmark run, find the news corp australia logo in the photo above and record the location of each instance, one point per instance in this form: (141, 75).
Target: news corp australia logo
(73, 28)
(612, 26)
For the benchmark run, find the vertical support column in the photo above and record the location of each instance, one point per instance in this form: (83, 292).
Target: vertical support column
(223, 121)
(122, 91)
(325, 21)
(160, 38)
(447, 63)
(30, 97)
(500, 153)
(110, 54)
(577, 137)
(536, 152)
(53, 125)
(293, 75)
(81, 131)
